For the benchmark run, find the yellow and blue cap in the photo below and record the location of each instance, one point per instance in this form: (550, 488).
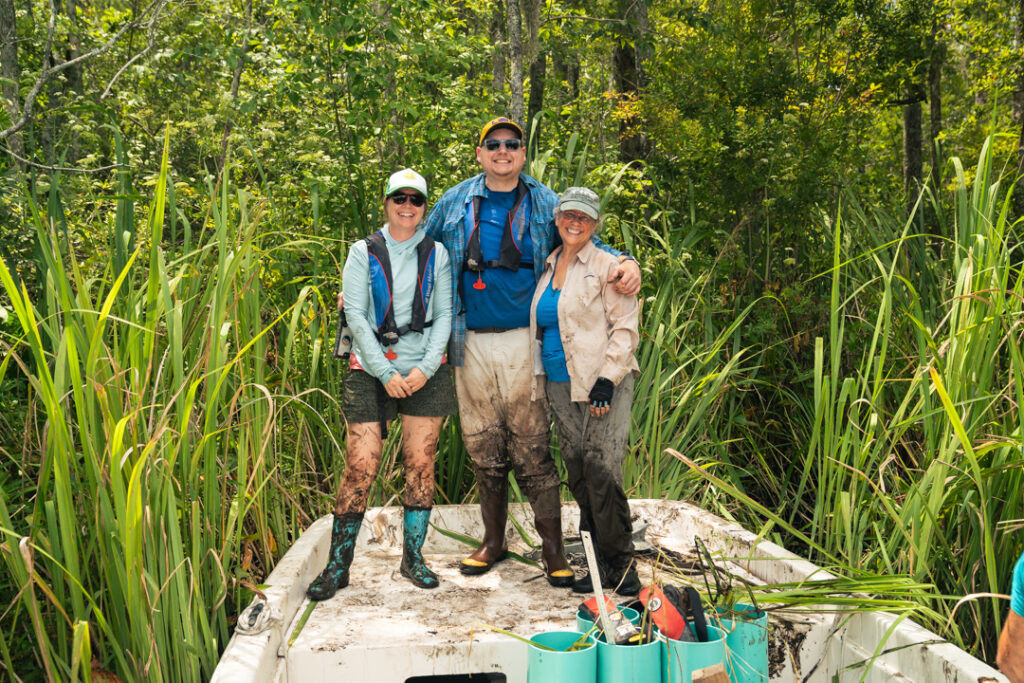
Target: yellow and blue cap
(495, 124)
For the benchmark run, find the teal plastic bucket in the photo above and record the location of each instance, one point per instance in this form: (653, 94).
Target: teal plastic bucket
(584, 624)
(545, 666)
(683, 657)
(628, 663)
(747, 638)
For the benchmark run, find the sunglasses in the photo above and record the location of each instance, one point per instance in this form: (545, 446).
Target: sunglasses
(416, 199)
(577, 217)
(511, 144)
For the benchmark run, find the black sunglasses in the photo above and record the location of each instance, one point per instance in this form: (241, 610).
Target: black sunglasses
(511, 144)
(416, 199)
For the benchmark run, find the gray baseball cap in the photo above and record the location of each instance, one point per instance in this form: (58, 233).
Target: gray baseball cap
(580, 199)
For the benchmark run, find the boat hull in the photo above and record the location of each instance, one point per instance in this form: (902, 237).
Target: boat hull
(381, 628)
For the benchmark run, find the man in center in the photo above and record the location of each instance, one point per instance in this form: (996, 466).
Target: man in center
(498, 228)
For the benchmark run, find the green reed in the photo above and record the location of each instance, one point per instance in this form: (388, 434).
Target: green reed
(912, 451)
(155, 478)
(189, 419)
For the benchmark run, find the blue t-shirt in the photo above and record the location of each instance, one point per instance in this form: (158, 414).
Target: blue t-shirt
(1017, 593)
(552, 352)
(505, 302)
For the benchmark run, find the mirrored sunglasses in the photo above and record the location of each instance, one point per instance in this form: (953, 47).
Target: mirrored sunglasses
(511, 144)
(416, 199)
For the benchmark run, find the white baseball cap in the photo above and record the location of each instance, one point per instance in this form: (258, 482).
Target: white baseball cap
(406, 179)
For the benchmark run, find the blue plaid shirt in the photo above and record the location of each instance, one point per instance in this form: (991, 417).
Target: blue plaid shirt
(446, 224)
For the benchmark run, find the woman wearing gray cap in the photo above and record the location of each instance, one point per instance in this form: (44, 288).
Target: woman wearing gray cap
(586, 336)
(398, 304)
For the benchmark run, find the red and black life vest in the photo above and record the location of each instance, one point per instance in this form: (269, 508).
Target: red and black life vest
(511, 256)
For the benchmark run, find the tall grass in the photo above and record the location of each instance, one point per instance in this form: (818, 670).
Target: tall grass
(189, 428)
(912, 459)
(685, 395)
(155, 470)
(184, 423)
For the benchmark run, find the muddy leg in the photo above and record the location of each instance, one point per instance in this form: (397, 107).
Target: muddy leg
(364, 455)
(419, 450)
(481, 412)
(538, 479)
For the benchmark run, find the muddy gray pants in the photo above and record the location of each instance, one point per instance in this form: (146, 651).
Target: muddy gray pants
(593, 461)
(502, 428)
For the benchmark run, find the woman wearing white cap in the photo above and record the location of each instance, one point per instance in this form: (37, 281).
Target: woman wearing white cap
(398, 302)
(586, 335)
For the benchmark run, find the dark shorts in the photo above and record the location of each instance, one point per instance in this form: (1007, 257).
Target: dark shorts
(365, 399)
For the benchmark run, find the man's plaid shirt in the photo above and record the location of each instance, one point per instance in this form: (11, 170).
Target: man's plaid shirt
(446, 224)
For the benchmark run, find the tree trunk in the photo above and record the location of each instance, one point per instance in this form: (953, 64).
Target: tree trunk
(935, 111)
(50, 122)
(515, 43)
(935, 63)
(500, 46)
(465, 14)
(538, 73)
(565, 69)
(73, 50)
(912, 134)
(236, 80)
(536, 63)
(74, 74)
(531, 18)
(10, 72)
(629, 57)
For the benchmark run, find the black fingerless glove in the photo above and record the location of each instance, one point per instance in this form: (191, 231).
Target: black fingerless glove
(601, 394)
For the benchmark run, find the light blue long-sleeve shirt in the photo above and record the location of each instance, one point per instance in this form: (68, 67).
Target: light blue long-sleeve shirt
(414, 350)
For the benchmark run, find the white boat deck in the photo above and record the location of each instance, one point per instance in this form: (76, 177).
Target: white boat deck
(383, 629)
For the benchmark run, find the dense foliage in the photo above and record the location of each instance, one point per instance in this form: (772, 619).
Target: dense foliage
(831, 329)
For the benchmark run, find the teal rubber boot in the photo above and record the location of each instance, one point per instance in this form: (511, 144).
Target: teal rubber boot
(343, 543)
(413, 568)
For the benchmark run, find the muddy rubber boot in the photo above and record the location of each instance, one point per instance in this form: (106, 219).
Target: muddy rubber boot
(624, 580)
(547, 517)
(628, 582)
(494, 511)
(343, 543)
(413, 567)
(556, 567)
(621, 575)
(585, 584)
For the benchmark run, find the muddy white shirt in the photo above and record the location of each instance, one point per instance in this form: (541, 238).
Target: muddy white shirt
(598, 325)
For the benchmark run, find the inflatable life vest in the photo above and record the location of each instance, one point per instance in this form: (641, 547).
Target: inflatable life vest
(510, 256)
(381, 287)
(671, 608)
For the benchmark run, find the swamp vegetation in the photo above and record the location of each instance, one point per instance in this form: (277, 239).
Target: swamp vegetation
(822, 196)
